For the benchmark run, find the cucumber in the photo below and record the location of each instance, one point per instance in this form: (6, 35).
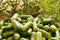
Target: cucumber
(16, 36)
(1, 24)
(44, 38)
(36, 19)
(48, 21)
(38, 36)
(24, 39)
(6, 24)
(23, 21)
(54, 38)
(45, 33)
(27, 26)
(40, 26)
(10, 38)
(29, 31)
(30, 18)
(25, 16)
(7, 28)
(19, 19)
(35, 26)
(7, 34)
(15, 16)
(32, 36)
(16, 25)
(53, 28)
(46, 27)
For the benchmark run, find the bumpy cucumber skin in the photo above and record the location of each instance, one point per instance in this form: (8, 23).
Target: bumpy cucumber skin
(53, 28)
(48, 21)
(45, 33)
(46, 27)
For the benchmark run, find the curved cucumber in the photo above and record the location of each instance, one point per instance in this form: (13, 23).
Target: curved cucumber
(27, 26)
(45, 33)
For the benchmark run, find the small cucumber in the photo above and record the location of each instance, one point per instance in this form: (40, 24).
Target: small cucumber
(16, 36)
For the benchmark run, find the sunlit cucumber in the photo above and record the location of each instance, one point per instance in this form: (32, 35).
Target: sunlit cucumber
(15, 16)
(16, 25)
(29, 31)
(35, 26)
(38, 36)
(45, 33)
(53, 28)
(32, 36)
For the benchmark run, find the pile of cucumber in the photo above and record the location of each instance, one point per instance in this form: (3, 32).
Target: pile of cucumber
(27, 27)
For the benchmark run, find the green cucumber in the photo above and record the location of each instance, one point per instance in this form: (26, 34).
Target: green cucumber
(53, 28)
(16, 25)
(1, 24)
(10, 38)
(27, 26)
(7, 28)
(45, 33)
(48, 21)
(15, 16)
(40, 26)
(29, 31)
(38, 36)
(7, 34)
(24, 39)
(35, 26)
(16, 36)
(32, 36)
(46, 27)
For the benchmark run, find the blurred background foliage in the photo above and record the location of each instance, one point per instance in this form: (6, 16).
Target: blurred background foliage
(46, 8)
